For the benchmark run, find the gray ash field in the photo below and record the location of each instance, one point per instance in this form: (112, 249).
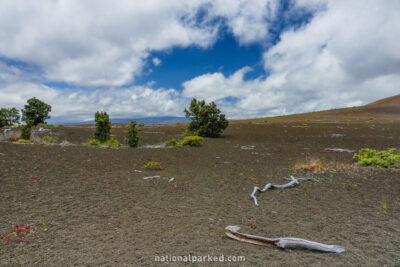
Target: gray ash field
(90, 206)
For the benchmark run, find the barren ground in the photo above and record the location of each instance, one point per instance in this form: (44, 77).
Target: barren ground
(62, 188)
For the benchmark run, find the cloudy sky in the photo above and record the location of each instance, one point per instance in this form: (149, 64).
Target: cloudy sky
(254, 58)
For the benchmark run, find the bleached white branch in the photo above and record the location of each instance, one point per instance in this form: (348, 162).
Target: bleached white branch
(282, 242)
(293, 182)
(151, 177)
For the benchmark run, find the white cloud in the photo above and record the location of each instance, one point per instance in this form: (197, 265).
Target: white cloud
(249, 20)
(79, 105)
(97, 44)
(346, 55)
(156, 61)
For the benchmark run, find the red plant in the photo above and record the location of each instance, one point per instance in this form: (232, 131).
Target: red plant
(226, 186)
(177, 187)
(312, 208)
(103, 214)
(33, 177)
(108, 182)
(19, 230)
(251, 224)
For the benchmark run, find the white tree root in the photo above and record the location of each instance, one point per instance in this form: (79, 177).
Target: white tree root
(293, 182)
(282, 242)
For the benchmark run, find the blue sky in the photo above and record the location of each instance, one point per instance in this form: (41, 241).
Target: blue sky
(225, 56)
(254, 58)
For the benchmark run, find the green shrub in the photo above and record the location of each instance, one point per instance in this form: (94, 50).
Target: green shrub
(385, 159)
(25, 132)
(192, 140)
(103, 127)
(92, 142)
(172, 142)
(206, 120)
(113, 143)
(110, 143)
(35, 112)
(132, 135)
(21, 140)
(49, 139)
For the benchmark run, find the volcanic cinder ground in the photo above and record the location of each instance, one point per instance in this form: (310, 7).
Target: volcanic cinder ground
(91, 206)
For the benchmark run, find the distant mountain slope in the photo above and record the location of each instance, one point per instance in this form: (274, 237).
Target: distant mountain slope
(389, 105)
(389, 101)
(148, 120)
(387, 109)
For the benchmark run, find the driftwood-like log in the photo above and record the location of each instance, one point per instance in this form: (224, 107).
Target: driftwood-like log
(151, 177)
(282, 242)
(293, 182)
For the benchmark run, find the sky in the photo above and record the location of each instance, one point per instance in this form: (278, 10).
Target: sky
(253, 58)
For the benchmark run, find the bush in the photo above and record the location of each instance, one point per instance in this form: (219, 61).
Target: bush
(103, 127)
(113, 143)
(132, 134)
(9, 116)
(192, 140)
(110, 143)
(171, 142)
(385, 159)
(25, 141)
(49, 139)
(35, 112)
(153, 165)
(206, 120)
(92, 142)
(26, 132)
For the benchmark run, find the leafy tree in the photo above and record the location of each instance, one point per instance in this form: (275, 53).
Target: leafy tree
(35, 112)
(207, 120)
(9, 116)
(132, 134)
(26, 132)
(103, 126)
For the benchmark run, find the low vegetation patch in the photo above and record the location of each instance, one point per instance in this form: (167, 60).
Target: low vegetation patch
(25, 141)
(153, 165)
(314, 166)
(188, 140)
(386, 158)
(172, 142)
(50, 139)
(110, 143)
(192, 140)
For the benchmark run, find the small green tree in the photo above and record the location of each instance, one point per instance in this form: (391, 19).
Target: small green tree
(9, 116)
(35, 112)
(206, 120)
(132, 134)
(103, 127)
(26, 132)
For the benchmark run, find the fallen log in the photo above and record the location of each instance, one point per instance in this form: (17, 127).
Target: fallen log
(282, 242)
(293, 182)
(151, 177)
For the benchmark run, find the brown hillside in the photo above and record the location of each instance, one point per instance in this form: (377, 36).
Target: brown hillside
(387, 109)
(387, 106)
(389, 101)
